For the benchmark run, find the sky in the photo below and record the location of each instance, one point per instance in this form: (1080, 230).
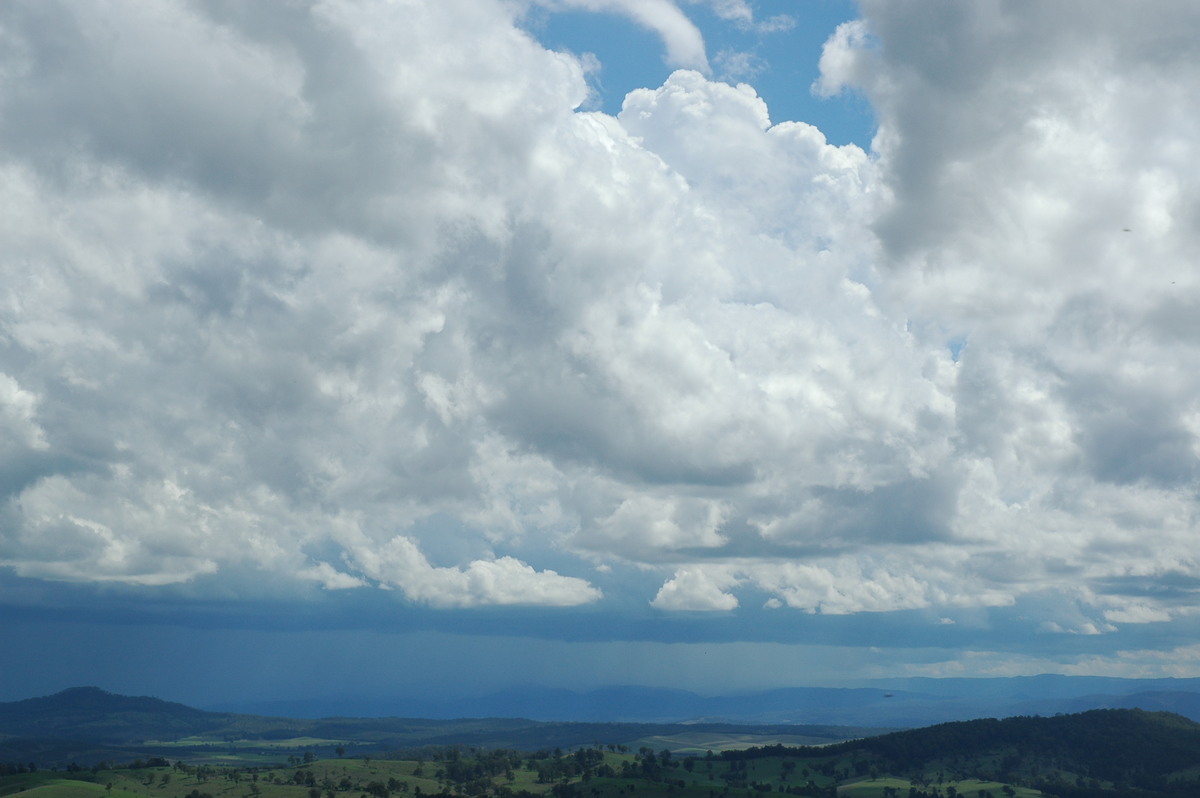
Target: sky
(438, 347)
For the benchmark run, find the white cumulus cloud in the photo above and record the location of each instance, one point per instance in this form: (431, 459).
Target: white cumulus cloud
(695, 590)
(505, 580)
(351, 294)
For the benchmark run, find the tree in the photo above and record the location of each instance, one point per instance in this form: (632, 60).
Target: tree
(340, 751)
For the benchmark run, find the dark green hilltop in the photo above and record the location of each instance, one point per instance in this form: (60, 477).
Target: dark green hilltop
(86, 743)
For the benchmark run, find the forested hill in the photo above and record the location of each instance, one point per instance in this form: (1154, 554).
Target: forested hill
(1109, 743)
(1129, 751)
(89, 713)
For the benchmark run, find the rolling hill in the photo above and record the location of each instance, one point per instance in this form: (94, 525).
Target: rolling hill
(86, 724)
(1107, 753)
(89, 713)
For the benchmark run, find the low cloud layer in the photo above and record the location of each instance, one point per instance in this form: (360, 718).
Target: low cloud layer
(354, 296)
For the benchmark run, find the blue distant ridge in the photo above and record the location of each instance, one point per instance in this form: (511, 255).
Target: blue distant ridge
(894, 703)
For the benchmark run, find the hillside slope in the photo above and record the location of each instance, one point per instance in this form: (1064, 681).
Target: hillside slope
(1104, 751)
(89, 713)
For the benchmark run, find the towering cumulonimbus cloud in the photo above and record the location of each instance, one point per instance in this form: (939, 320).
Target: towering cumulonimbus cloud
(353, 295)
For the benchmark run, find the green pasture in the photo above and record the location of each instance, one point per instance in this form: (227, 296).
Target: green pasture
(38, 785)
(20, 782)
(700, 743)
(65, 789)
(971, 788)
(290, 743)
(967, 788)
(352, 777)
(874, 788)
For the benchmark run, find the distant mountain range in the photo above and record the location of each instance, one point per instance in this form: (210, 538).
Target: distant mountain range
(894, 703)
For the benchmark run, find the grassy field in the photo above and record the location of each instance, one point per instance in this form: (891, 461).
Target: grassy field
(967, 788)
(290, 743)
(699, 743)
(54, 785)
